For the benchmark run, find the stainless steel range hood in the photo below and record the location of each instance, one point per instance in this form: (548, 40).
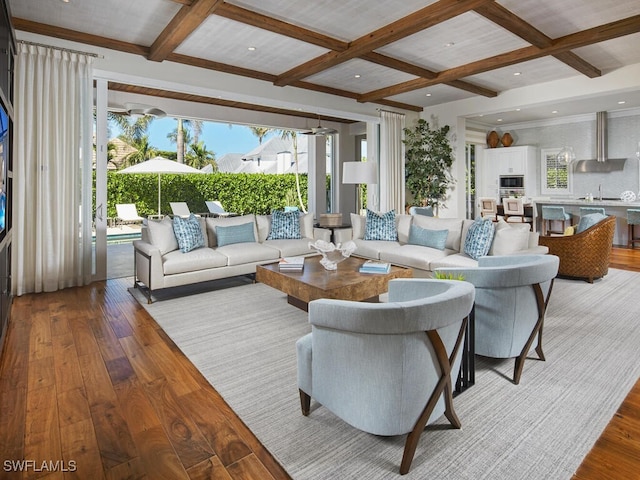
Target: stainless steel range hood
(601, 163)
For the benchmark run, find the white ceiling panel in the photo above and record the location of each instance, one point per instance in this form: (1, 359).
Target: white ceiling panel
(138, 22)
(372, 76)
(612, 54)
(461, 40)
(437, 94)
(227, 41)
(532, 72)
(557, 18)
(344, 20)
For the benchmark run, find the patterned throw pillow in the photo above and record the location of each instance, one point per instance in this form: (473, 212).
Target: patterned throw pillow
(381, 226)
(284, 225)
(479, 238)
(188, 233)
(428, 238)
(242, 233)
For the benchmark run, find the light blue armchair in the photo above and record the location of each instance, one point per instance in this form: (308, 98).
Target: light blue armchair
(387, 368)
(512, 294)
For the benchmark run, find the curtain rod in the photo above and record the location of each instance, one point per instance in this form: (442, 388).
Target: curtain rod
(388, 111)
(95, 55)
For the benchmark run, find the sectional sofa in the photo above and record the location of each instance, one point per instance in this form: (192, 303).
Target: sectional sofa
(230, 246)
(410, 248)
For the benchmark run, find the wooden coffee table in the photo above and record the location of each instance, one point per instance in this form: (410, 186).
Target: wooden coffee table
(314, 281)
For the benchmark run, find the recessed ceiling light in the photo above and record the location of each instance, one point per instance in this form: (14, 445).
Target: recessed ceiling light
(251, 49)
(357, 75)
(427, 94)
(554, 111)
(499, 120)
(517, 73)
(621, 102)
(517, 109)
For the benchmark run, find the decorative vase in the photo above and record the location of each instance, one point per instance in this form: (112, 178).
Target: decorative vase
(507, 139)
(333, 254)
(493, 139)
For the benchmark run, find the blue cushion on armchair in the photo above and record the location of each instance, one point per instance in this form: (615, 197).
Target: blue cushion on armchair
(589, 220)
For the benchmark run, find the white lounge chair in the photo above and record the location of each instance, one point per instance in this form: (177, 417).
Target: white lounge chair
(180, 209)
(127, 213)
(216, 209)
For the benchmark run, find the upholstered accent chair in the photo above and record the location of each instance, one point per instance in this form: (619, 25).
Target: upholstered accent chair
(387, 368)
(584, 255)
(512, 294)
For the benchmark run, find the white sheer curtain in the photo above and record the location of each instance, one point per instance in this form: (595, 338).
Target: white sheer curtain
(52, 169)
(391, 162)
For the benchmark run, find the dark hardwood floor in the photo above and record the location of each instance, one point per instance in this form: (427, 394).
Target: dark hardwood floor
(90, 384)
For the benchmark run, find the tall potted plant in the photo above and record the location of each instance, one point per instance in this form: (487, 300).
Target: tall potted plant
(428, 161)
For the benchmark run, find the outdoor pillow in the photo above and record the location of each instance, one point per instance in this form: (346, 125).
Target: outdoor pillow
(589, 220)
(188, 233)
(161, 235)
(479, 238)
(381, 226)
(242, 233)
(284, 225)
(428, 238)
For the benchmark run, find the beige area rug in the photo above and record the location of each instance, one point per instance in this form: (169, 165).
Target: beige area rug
(243, 340)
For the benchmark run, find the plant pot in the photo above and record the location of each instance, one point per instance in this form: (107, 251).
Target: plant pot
(507, 140)
(493, 139)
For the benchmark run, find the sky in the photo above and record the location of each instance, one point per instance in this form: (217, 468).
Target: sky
(221, 138)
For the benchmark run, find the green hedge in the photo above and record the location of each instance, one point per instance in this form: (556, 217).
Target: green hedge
(238, 192)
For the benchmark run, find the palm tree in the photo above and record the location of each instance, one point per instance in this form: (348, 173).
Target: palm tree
(143, 151)
(260, 132)
(198, 156)
(293, 136)
(179, 135)
(133, 129)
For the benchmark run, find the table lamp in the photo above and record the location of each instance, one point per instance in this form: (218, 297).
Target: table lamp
(359, 173)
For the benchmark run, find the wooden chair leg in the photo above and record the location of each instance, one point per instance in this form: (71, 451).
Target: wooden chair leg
(305, 403)
(443, 385)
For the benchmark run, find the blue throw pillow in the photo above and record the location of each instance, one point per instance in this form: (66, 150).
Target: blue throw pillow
(589, 220)
(479, 238)
(428, 238)
(284, 225)
(381, 226)
(188, 233)
(242, 233)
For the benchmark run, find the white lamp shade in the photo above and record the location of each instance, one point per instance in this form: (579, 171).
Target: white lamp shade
(359, 172)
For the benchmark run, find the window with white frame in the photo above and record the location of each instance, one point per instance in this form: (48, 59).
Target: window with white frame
(556, 175)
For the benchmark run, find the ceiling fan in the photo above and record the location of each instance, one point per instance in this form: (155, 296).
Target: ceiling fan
(139, 109)
(320, 130)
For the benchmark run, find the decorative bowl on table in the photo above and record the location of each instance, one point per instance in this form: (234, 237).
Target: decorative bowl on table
(333, 254)
(628, 196)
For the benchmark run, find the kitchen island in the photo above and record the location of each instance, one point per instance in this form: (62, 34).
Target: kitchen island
(572, 206)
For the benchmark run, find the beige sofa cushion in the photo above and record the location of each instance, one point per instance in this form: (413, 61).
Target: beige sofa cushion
(242, 253)
(198, 259)
(510, 238)
(161, 235)
(454, 225)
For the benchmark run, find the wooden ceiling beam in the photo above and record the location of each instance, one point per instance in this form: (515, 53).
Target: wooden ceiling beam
(514, 24)
(267, 77)
(424, 73)
(188, 18)
(75, 36)
(427, 17)
(609, 31)
(248, 17)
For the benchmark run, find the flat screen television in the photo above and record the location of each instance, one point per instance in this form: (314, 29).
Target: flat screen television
(4, 152)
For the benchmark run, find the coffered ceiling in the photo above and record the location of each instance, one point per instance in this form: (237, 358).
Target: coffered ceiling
(407, 54)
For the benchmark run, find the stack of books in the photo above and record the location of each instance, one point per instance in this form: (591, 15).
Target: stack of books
(372, 266)
(291, 264)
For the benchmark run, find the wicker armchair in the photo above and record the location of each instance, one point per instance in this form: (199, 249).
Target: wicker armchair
(586, 254)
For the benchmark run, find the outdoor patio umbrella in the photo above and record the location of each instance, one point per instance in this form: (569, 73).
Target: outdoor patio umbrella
(160, 165)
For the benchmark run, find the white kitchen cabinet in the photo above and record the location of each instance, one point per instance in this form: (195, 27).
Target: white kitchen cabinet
(509, 161)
